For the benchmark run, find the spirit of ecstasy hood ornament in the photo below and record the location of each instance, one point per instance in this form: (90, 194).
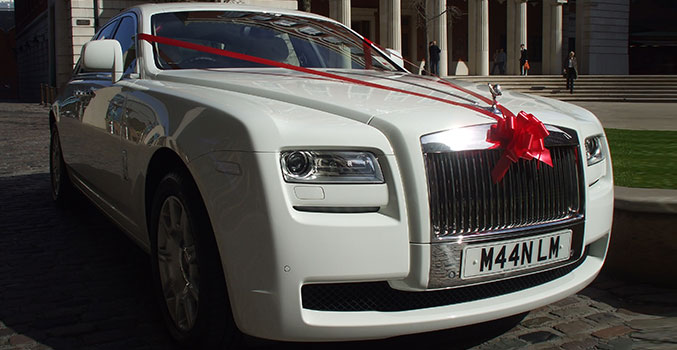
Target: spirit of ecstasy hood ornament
(495, 90)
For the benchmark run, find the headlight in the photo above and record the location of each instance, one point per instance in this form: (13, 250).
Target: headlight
(593, 150)
(330, 167)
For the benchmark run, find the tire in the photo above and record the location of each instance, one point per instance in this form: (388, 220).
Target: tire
(187, 274)
(62, 188)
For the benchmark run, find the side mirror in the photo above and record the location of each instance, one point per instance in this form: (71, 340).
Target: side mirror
(396, 56)
(103, 56)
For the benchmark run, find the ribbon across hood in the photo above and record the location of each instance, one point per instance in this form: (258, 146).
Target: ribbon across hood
(520, 137)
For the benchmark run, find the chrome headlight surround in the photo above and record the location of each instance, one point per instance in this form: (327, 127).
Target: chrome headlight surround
(347, 167)
(594, 152)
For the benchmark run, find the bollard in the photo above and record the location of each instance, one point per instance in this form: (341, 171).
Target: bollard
(50, 95)
(42, 94)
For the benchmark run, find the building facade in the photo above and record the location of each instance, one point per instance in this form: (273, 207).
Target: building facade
(470, 33)
(8, 74)
(32, 47)
(50, 35)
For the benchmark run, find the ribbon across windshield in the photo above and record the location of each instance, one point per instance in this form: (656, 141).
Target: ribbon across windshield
(297, 41)
(233, 39)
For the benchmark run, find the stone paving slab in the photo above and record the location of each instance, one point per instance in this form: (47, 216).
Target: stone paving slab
(71, 280)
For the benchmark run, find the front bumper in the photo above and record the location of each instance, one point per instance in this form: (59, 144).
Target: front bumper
(320, 325)
(270, 251)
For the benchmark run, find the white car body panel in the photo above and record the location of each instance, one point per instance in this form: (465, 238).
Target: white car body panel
(229, 127)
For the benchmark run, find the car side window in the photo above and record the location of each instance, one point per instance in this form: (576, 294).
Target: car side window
(107, 31)
(126, 36)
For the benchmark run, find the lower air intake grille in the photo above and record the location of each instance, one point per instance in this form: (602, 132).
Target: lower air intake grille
(378, 296)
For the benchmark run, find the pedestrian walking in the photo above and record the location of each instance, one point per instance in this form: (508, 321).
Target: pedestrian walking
(501, 58)
(571, 71)
(494, 65)
(524, 60)
(434, 52)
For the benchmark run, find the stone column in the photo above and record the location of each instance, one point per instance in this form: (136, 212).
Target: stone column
(478, 36)
(546, 43)
(451, 65)
(483, 38)
(552, 36)
(340, 11)
(510, 40)
(472, 37)
(437, 16)
(517, 33)
(390, 19)
(556, 37)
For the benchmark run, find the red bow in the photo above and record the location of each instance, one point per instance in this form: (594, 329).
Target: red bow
(520, 137)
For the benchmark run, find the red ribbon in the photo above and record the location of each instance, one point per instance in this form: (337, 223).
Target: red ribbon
(271, 63)
(520, 137)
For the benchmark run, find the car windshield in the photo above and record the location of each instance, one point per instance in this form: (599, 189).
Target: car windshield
(293, 40)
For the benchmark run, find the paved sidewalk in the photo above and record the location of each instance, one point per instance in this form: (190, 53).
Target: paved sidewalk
(647, 200)
(634, 115)
(71, 280)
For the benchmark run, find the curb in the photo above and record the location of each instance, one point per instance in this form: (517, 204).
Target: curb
(643, 245)
(645, 200)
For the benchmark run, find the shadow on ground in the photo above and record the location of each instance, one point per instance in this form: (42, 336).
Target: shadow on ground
(622, 293)
(450, 339)
(72, 280)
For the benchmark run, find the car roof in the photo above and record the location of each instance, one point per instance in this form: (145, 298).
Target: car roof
(150, 9)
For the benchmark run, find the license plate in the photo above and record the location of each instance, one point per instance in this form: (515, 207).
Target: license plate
(515, 255)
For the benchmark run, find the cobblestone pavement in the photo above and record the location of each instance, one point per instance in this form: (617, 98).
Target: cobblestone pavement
(71, 280)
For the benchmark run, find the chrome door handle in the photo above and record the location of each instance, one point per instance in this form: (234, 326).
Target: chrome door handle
(83, 93)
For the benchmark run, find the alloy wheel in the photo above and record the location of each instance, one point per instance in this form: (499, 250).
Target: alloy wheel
(177, 262)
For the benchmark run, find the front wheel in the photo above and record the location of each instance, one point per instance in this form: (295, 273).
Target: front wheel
(62, 189)
(187, 273)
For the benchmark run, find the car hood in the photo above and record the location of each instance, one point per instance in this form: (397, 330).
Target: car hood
(380, 106)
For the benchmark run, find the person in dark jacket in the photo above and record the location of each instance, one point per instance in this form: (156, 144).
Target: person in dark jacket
(524, 56)
(571, 71)
(523, 59)
(434, 52)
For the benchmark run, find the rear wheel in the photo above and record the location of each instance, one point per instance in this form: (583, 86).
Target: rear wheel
(62, 189)
(187, 272)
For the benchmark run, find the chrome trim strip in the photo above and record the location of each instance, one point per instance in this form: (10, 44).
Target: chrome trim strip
(337, 210)
(509, 232)
(474, 137)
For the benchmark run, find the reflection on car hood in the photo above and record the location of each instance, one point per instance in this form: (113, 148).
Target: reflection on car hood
(364, 103)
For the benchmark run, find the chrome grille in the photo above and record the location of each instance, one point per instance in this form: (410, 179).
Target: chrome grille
(464, 200)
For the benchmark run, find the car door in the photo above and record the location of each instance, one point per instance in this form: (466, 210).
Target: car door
(97, 157)
(117, 117)
(76, 97)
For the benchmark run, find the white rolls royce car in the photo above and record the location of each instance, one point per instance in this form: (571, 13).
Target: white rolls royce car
(291, 181)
